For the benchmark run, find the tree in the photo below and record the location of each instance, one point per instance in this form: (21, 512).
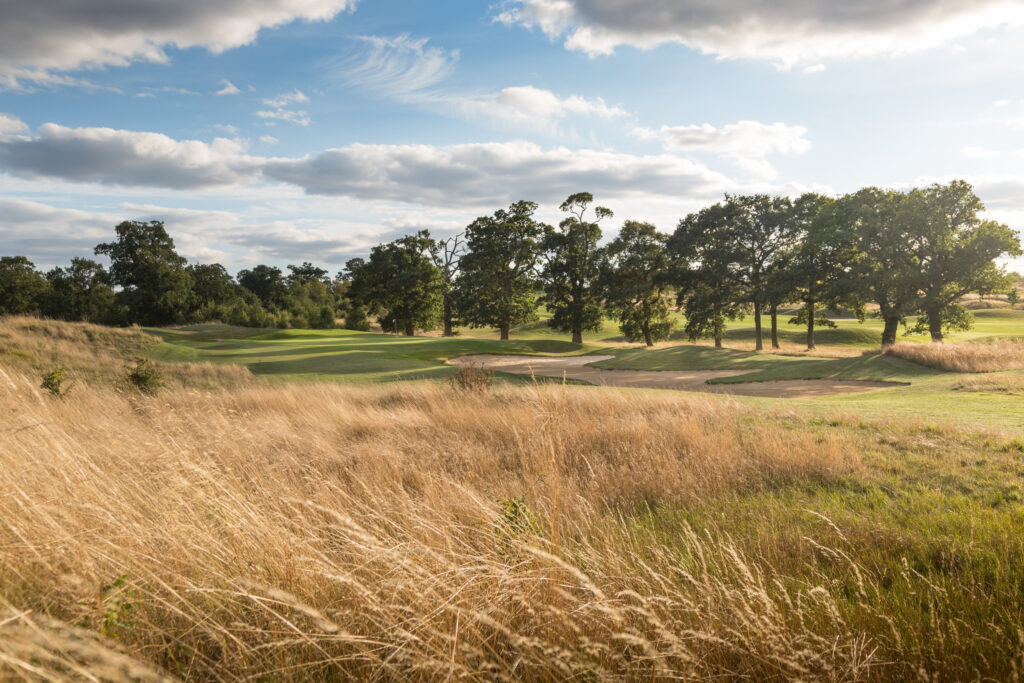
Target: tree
(22, 288)
(447, 256)
(496, 284)
(886, 268)
(80, 292)
(304, 274)
(155, 286)
(212, 285)
(821, 267)
(763, 236)
(572, 266)
(703, 253)
(634, 281)
(1013, 297)
(955, 250)
(401, 280)
(266, 282)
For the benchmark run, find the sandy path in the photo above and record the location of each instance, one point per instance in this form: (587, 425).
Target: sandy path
(576, 367)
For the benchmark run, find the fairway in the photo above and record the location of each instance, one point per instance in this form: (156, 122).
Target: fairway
(845, 356)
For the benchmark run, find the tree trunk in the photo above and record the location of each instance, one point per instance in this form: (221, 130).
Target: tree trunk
(775, 326)
(446, 313)
(935, 324)
(810, 325)
(577, 336)
(892, 325)
(409, 329)
(758, 344)
(503, 331)
(647, 334)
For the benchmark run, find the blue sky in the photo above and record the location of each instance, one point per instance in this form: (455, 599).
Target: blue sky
(283, 130)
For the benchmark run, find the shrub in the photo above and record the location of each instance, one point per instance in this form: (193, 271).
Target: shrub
(145, 376)
(54, 381)
(472, 377)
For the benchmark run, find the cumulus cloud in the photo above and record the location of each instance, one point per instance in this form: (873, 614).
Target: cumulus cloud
(227, 88)
(469, 174)
(49, 234)
(44, 36)
(11, 124)
(531, 107)
(787, 32)
(747, 143)
(109, 156)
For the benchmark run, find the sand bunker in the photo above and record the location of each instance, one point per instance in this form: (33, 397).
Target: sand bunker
(576, 367)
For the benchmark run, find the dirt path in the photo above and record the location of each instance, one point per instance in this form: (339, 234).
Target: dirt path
(576, 367)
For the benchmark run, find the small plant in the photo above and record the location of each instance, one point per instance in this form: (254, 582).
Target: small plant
(145, 376)
(56, 381)
(472, 377)
(515, 521)
(1013, 298)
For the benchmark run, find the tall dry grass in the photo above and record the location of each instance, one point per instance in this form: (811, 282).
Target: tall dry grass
(414, 532)
(967, 357)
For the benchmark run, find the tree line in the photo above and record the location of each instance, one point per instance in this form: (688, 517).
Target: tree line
(895, 255)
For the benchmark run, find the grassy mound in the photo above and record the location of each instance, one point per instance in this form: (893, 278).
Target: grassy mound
(975, 357)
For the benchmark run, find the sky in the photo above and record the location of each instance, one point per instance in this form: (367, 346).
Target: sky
(281, 131)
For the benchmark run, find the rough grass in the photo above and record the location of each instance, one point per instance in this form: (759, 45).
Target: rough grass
(418, 532)
(94, 354)
(971, 357)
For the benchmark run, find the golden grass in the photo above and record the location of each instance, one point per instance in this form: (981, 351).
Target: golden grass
(968, 357)
(93, 353)
(293, 531)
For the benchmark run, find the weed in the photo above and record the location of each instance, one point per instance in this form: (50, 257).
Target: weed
(56, 382)
(145, 376)
(472, 377)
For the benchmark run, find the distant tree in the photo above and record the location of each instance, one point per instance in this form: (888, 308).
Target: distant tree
(402, 282)
(763, 237)
(572, 267)
(498, 273)
(155, 286)
(822, 266)
(955, 250)
(886, 268)
(266, 282)
(1013, 297)
(81, 291)
(304, 274)
(634, 282)
(355, 307)
(212, 285)
(22, 288)
(447, 256)
(702, 250)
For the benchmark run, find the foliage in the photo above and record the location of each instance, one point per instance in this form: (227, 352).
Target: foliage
(572, 266)
(81, 291)
(496, 284)
(702, 252)
(634, 282)
(401, 280)
(21, 288)
(54, 381)
(145, 376)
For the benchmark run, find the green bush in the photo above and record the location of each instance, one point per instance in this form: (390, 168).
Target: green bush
(54, 381)
(145, 376)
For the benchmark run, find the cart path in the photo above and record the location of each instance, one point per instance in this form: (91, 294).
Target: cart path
(576, 367)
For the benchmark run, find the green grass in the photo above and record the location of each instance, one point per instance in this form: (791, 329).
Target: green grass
(929, 395)
(338, 354)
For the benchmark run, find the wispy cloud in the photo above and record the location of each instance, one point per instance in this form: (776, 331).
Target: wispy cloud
(228, 88)
(281, 110)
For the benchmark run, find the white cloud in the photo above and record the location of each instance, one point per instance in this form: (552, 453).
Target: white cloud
(786, 32)
(281, 112)
(747, 143)
(105, 155)
(979, 152)
(469, 174)
(11, 124)
(228, 88)
(396, 67)
(268, 140)
(44, 36)
(406, 70)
